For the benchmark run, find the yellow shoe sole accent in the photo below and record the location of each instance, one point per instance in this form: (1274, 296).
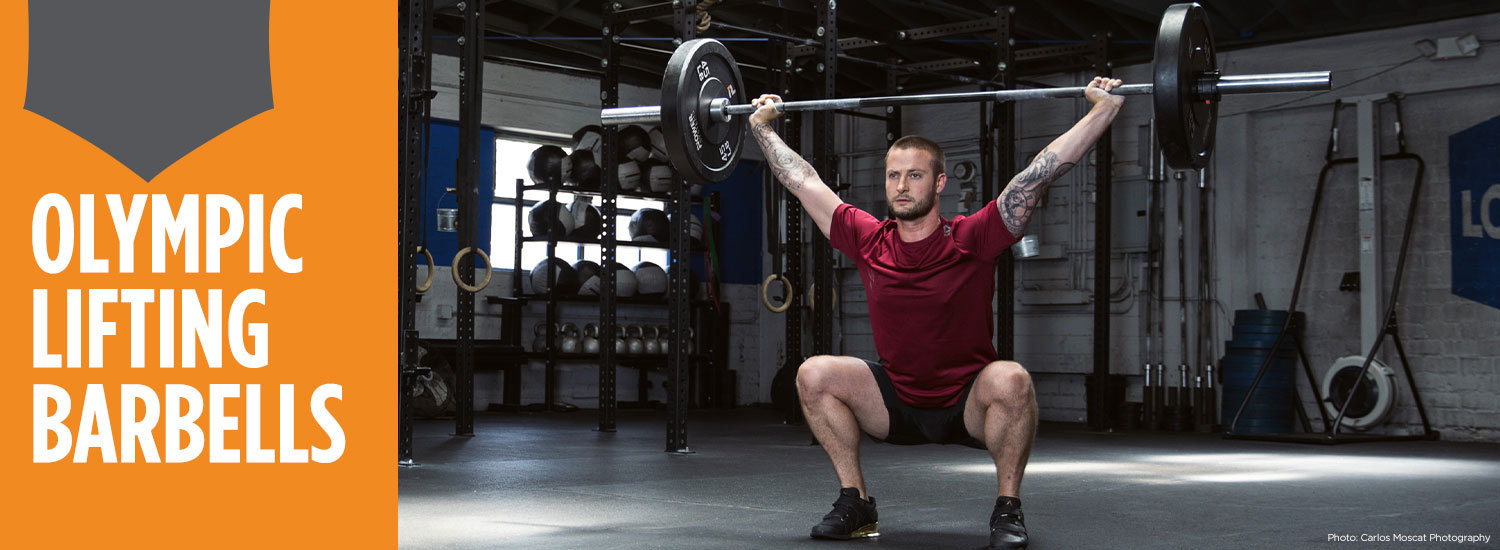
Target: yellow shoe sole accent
(871, 530)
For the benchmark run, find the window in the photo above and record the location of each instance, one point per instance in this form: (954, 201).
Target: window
(510, 164)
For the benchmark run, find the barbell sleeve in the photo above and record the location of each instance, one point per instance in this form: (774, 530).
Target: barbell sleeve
(1208, 87)
(631, 115)
(1273, 83)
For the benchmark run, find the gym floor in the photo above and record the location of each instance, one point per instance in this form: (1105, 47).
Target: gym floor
(547, 480)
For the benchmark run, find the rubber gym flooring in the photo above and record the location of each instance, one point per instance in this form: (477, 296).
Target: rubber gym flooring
(547, 480)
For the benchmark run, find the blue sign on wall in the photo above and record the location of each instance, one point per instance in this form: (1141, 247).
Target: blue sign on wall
(1474, 192)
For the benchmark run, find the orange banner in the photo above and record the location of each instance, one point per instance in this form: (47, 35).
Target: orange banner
(202, 331)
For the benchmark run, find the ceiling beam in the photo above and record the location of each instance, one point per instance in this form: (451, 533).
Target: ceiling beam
(953, 10)
(583, 55)
(1142, 23)
(588, 18)
(1129, 9)
(561, 7)
(1294, 12)
(1068, 18)
(1239, 16)
(1349, 9)
(1390, 19)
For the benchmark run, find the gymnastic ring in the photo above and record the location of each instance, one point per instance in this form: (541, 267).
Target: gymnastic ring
(488, 270)
(810, 295)
(431, 268)
(766, 300)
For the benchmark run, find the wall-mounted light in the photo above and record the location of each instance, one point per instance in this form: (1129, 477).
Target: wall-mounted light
(1441, 49)
(963, 171)
(963, 174)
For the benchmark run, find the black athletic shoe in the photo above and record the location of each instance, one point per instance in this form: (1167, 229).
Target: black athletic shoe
(852, 517)
(1007, 524)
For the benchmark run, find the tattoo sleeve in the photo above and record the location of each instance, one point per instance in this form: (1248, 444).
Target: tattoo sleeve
(790, 169)
(1021, 196)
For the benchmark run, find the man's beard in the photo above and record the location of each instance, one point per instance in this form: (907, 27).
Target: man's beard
(918, 209)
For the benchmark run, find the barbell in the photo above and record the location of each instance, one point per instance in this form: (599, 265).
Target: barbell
(703, 99)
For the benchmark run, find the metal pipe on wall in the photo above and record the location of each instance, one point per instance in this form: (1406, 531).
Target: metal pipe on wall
(1100, 412)
(1154, 263)
(1205, 266)
(1182, 317)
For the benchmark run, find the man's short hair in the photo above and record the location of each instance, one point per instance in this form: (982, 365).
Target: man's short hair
(939, 161)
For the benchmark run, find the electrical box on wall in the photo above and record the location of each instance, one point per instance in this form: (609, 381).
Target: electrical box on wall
(1128, 221)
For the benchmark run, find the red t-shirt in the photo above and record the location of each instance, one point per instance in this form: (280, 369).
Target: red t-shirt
(929, 300)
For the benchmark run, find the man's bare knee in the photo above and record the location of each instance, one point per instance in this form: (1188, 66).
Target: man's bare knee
(1006, 383)
(816, 376)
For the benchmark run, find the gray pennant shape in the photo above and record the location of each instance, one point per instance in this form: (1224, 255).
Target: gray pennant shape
(149, 81)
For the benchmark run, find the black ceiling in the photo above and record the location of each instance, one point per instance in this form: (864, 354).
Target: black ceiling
(564, 34)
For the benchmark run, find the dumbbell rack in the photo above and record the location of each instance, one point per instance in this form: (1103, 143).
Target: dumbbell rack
(608, 360)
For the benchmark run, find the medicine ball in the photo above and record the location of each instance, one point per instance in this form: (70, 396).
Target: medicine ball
(651, 279)
(661, 178)
(625, 281)
(550, 218)
(580, 170)
(658, 145)
(635, 144)
(649, 225)
(589, 138)
(587, 273)
(564, 276)
(587, 222)
(546, 165)
(628, 174)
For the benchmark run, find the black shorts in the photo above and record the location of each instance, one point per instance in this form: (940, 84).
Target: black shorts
(916, 426)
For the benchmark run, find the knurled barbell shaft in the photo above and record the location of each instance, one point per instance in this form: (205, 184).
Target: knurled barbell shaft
(1227, 85)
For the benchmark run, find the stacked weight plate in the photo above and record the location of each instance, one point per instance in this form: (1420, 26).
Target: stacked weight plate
(1270, 408)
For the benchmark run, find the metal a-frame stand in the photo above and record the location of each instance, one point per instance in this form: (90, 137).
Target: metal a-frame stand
(1368, 161)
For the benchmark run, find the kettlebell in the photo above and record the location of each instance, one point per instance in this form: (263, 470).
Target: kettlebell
(663, 339)
(539, 343)
(591, 338)
(569, 341)
(620, 346)
(650, 340)
(633, 343)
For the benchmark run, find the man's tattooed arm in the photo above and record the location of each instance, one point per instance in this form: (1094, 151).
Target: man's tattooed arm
(790, 169)
(1023, 193)
(798, 176)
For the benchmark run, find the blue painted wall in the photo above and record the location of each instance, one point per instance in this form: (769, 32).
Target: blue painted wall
(442, 164)
(739, 228)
